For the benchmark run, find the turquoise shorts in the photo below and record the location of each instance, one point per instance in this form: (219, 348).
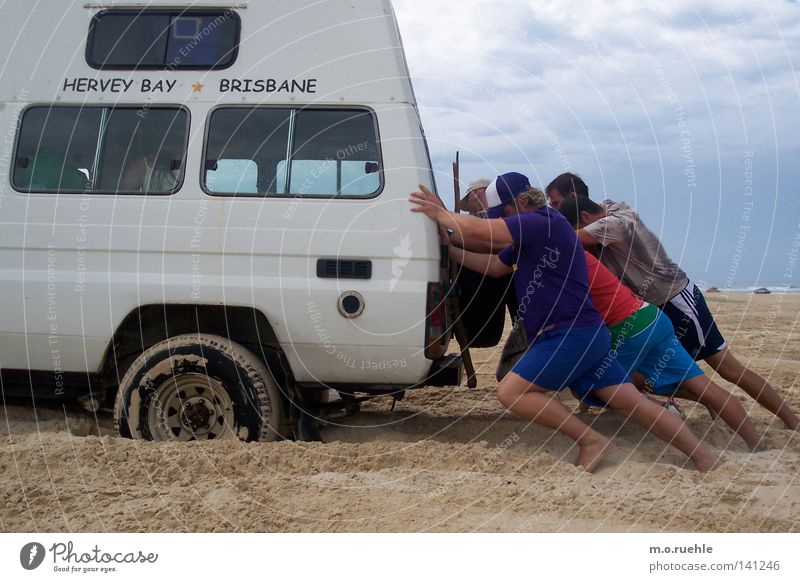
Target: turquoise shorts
(657, 354)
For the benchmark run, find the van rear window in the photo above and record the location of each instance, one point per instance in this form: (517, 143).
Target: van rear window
(262, 151)
(104, 150)
(163, 39)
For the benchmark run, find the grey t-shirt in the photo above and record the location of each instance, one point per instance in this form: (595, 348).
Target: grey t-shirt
(634, 254)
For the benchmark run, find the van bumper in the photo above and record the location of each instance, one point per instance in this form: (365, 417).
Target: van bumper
(446, 371)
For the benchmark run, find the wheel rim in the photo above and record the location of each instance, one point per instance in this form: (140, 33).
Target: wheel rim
(191, 407)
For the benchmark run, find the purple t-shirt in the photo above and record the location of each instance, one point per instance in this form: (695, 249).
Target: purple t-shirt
(551, 278)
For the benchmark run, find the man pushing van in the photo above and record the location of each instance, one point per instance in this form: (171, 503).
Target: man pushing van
(636, 256)
(571, 344)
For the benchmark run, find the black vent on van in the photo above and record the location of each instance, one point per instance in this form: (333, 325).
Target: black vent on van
(344, 269)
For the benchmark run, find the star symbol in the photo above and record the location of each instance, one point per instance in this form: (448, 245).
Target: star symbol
(197, 87)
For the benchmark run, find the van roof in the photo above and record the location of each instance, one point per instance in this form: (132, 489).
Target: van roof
(290, 51)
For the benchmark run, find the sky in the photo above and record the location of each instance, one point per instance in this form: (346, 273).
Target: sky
(689, 111)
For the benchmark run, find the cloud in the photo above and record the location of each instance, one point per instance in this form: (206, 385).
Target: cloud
(655, 101)
(603, 74)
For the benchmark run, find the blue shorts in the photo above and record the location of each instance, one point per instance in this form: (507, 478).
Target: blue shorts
(577, 357)
(657, 355)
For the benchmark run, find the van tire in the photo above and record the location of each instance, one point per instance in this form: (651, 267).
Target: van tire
(200, 387)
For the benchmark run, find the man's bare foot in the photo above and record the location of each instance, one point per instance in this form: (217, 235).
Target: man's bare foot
(592, 452)
(705, 461)
(761, 446)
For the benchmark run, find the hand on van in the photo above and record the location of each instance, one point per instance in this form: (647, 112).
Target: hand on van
(428, 202)
(469, 227)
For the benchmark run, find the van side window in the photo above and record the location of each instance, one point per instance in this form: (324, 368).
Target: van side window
(333, 153)
(163, 39)
(101, 150)
(56, 149)
(243, 149)
(313, 152)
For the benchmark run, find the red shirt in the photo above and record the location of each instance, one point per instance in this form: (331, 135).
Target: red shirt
(613, 300)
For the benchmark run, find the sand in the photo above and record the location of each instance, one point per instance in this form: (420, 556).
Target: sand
(443, 460)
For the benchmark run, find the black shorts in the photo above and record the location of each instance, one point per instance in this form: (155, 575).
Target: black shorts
(694, 325)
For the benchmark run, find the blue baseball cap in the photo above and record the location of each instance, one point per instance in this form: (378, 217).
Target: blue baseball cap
(503, 190)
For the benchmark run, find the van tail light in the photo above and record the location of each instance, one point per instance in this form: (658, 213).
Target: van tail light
(436, 322)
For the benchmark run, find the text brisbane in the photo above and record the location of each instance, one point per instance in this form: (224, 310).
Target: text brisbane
(268, 86)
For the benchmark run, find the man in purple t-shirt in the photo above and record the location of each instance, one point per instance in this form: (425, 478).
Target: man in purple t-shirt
(569, 343)
(550, 273)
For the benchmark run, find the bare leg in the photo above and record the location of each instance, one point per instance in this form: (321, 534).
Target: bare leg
(727, 407)
(686, 395)
(535, 403)
(659, 421)
(726, 364)
(639, 381)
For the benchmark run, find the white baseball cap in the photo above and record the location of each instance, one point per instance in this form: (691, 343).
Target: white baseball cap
(474, 185)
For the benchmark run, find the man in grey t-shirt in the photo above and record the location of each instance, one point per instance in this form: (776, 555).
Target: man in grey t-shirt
(635, 254)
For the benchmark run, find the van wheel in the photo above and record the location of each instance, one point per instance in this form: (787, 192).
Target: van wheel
(200, 387)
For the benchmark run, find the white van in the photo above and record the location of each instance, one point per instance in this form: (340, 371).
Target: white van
(204, 213)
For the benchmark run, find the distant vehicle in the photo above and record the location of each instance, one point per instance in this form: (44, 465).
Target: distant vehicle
(762, 291)
(205, 216)
(712, 290)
